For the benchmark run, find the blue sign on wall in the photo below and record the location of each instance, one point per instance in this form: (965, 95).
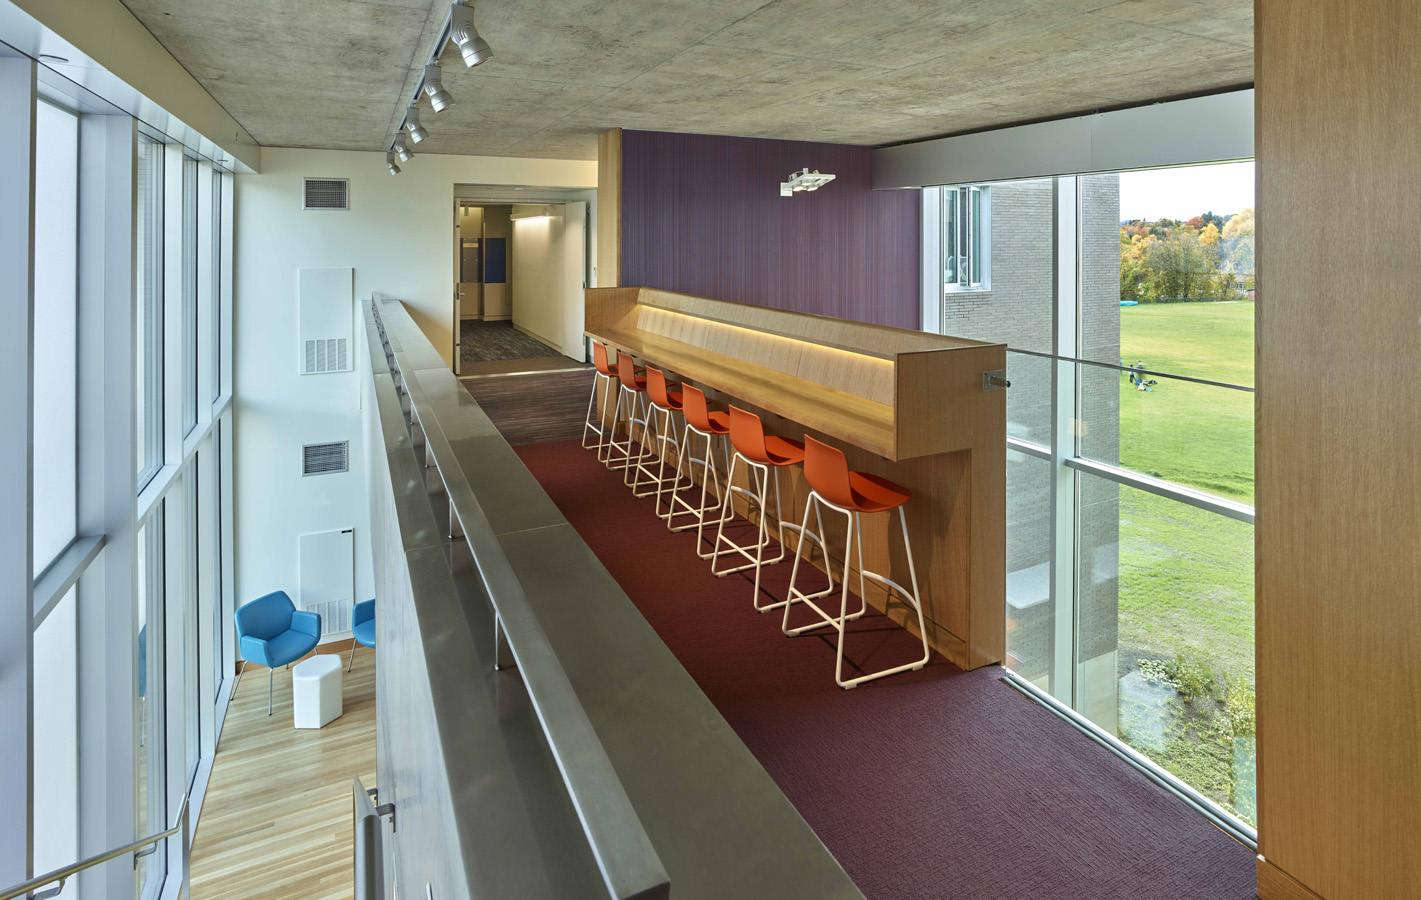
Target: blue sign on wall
(495, 260)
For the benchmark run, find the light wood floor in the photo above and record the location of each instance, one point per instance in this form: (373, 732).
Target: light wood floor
(276, 819)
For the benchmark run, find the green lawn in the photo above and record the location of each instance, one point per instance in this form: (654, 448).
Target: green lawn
(1197, 435)
(1186, 575)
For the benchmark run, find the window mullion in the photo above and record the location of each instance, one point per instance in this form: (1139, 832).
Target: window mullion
(1064, 414)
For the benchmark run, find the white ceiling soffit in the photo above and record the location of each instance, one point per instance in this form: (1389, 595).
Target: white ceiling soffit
(1179, 132)
(98, 47)
(337, 73)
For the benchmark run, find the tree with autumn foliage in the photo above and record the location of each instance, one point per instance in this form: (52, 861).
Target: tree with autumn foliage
(1168, 261)
(1238, 243)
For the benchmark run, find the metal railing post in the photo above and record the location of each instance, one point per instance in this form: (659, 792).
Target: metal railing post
(186, 835)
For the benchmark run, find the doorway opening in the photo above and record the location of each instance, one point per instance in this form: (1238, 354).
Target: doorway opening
(519, 273)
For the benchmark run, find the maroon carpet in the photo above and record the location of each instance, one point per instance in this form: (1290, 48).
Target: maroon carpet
(932, 784)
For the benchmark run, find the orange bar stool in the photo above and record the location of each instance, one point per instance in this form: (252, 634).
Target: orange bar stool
(631, 408)
(665, 403)
(760, 454)
(853, 494)
(703, 422)
(604, 376)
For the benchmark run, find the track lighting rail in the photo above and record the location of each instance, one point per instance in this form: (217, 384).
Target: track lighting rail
(458, 27)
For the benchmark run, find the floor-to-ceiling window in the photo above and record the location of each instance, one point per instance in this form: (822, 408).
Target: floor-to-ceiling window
(214, 296)
(129, 622)
(1126, 302)
(190, 290)
(56, 481)
(150, 796)
(148, 239)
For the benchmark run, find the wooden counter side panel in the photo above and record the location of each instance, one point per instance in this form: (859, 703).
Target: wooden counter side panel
(939, 403)
(941, 406)
(609, 307)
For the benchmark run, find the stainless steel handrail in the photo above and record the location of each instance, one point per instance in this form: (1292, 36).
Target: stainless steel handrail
(369, 873)
(62, 875)
(623, 851)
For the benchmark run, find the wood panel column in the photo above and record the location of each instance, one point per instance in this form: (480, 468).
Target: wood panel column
(609, 208)
(1339, 448)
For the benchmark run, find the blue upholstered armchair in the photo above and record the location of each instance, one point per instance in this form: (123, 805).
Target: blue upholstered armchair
(272, 632)
(362, 628)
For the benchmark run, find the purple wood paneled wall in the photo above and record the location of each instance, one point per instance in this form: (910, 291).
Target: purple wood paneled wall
(703, 215)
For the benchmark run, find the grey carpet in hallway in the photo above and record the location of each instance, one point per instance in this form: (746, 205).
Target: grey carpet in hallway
(484, 341)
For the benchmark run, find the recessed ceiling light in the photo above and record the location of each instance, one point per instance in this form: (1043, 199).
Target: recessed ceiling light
(50, 57)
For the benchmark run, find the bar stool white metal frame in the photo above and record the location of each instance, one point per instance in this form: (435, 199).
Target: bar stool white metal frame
(758, 496)
(602, 425)
(665, 435)
(840, 622)
(709, 475)
(628, 400)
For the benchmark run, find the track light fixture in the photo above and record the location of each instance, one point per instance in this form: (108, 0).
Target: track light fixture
(390, 163)
(462, 32)
(402, 149)
(416, 130)
(439, 98)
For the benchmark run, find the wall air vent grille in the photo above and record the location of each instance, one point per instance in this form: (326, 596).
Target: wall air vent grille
(323, 459)
(329, 355)
(325, 193)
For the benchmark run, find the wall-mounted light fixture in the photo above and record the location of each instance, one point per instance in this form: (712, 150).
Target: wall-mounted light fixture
(804, 180)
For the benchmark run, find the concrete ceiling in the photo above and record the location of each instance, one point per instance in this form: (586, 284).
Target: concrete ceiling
(333, 73)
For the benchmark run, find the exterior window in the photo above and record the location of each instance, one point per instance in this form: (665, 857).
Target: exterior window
(149, 352)
(966, 238)
(56, 360)
(189, 294)
(215, 318)
(1130, 569)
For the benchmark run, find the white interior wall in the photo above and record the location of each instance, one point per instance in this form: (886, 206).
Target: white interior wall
(537, 264)
(396, 236)
(574, 279)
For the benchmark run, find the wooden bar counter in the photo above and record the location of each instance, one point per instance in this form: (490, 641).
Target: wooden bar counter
(910, 406)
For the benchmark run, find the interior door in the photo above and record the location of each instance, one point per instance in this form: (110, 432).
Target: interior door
(574, 267)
